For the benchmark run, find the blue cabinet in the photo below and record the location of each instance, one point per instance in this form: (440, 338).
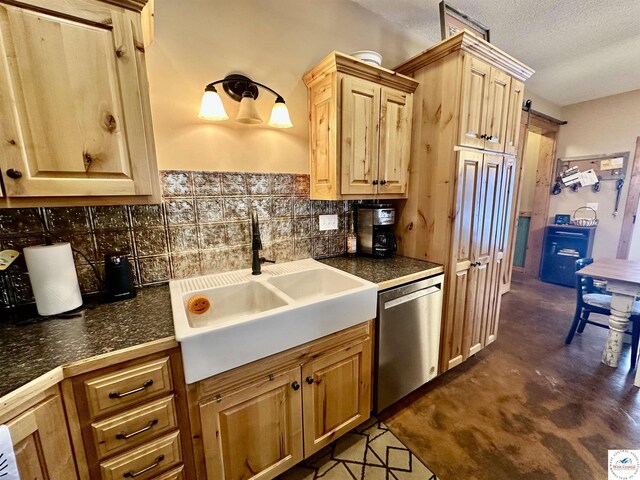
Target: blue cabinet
(563, 245)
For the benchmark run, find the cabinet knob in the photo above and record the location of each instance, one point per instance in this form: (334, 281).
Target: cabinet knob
(309, 379)
(375, 182)
(483, 136)
(383, 182)
(13, 173)
(295, 386)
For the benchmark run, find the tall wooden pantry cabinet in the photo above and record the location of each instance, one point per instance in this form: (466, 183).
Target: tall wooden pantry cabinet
(465, 136)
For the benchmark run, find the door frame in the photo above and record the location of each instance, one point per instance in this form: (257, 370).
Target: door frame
(532, 121)
(631, 206)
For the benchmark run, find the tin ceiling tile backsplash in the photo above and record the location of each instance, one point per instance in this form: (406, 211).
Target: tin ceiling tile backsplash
(202, 226)
(206, 184)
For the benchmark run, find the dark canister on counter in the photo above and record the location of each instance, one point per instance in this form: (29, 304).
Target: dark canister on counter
(118, 279)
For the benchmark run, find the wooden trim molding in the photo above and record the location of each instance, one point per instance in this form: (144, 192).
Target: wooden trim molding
(631, 206)
(541, 123)
(467, 42)
(136, 5)
(29, 393)
(347, 64)
(546, 117)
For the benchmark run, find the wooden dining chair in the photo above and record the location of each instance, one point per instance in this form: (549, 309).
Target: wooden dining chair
(591, 299)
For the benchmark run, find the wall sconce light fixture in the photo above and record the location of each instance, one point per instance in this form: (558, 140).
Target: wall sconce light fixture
(244, 90)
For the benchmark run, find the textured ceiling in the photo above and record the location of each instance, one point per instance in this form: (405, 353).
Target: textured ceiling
(580, 49)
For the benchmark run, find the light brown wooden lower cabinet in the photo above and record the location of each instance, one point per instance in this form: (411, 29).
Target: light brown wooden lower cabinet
(41, 442)
(127, 415)
(255, 430)
(336, 395)
(129, 419)
(269, 415)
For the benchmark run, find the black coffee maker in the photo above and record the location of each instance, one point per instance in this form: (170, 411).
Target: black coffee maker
(118, 279)
(375, 230)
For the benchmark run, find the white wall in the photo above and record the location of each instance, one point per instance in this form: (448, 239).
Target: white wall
(275, 43)
(542, 105)
(602, 126)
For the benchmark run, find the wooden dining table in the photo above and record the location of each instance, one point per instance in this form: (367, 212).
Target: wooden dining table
(623, 281)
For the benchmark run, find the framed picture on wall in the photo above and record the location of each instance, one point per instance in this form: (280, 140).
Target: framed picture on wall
(453, 21)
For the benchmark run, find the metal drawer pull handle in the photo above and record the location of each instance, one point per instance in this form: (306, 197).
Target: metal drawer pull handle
(309, 379)
(127, 436)
(132, 474)
(144, 386)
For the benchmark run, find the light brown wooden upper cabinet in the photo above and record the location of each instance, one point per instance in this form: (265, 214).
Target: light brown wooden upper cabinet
(75, 120)
(484, 105)
(516, 97)
(360, 129)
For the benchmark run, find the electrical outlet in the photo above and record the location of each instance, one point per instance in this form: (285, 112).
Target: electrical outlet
(328, 222)
(593, 205)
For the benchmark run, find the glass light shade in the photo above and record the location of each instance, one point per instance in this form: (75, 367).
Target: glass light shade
(248, 113)
(211, 107)
(280, 116)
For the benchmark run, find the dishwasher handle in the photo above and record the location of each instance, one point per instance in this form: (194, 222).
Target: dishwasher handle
(412, 296)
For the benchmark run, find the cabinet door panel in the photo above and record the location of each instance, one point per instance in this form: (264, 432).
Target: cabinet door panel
(322, 104)
(486, 236)
(474, 102)
(516, 96)
(70, 105)
(396, 110)
(459, 303)
(41, 442)
(360, 135)
(338, 397)
(498, 105)
(255, 432)
(502, 242)
(461, 292)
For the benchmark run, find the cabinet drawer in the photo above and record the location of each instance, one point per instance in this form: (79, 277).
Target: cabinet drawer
(134, 427)
(145, 462)
(175, 474)
(132, 385)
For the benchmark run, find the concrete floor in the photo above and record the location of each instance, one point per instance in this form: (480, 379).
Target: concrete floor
(528, 406)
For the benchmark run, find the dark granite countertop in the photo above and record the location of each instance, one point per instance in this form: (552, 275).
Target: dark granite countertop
(386, 272)
(29, 350)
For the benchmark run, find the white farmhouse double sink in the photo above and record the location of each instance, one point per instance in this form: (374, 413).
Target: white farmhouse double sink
(254, 316)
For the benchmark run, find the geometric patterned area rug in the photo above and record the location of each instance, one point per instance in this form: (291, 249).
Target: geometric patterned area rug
(369, 452)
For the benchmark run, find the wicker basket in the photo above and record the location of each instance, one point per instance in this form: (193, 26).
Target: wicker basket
(584, 221)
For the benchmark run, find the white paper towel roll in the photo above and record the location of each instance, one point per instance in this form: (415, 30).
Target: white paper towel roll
(53, 278)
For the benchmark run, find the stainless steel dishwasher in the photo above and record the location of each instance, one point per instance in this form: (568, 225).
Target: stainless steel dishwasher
(408, 339)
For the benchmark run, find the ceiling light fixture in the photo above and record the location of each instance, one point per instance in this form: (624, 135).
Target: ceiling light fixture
(244, 90)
